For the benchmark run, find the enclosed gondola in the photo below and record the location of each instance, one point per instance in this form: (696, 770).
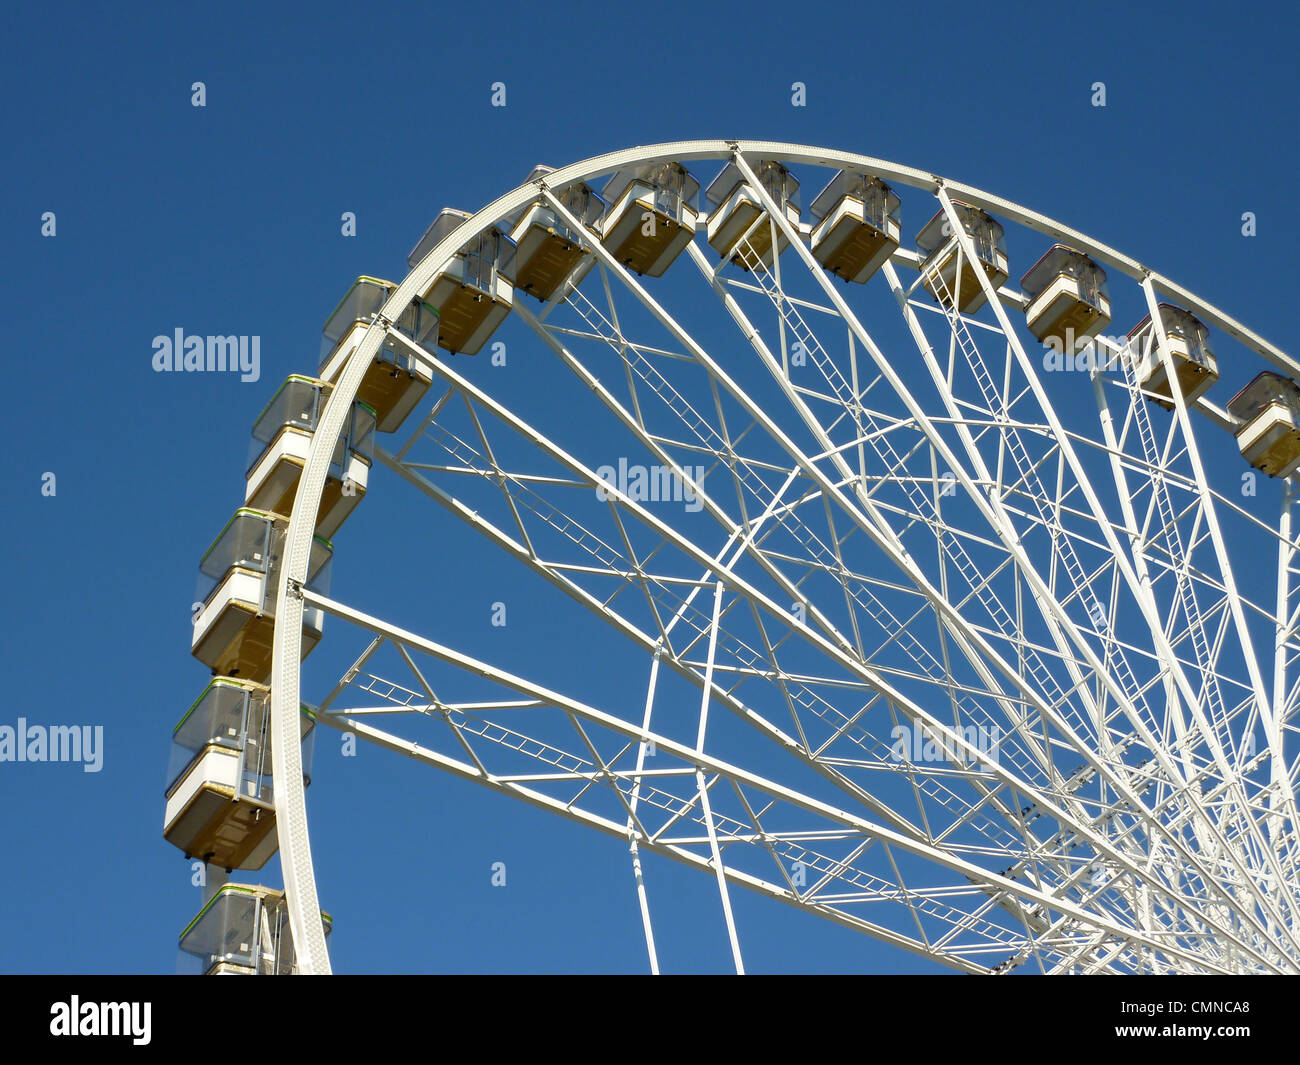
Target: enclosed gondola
(1069, 302)
(234, 617)
(856, 225)
(551, 257)
(397, 376)
(282, 437)
(652, 217)
(220, 804)
(739, 227)
(474, 291)
(1189, 349)
(945, 271)
(242, 930)
(1268, 415)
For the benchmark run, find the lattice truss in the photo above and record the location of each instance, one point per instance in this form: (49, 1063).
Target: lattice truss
(927, 650)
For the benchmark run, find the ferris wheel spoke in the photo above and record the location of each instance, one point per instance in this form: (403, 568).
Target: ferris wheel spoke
(1043, 803)
(563, 577)
(729, 834)
(969, 347)
(964, 240)
(1138, 529)
(811, 344)
(692, 250)
(645, 638)
(1176, 555)
(971, 352)
(845, 888)
(857, 330)
(1280, 782)
(1286, 678)
(1002, 520)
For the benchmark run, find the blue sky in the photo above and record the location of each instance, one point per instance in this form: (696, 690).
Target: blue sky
(225, 219)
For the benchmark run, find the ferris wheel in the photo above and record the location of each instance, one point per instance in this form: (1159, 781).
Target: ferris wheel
(927, 603)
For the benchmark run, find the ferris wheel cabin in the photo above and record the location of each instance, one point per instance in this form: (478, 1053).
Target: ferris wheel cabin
(475, 290)
(739, 227)
(282, 438)
(652, 217)
(551, 257)
(1068, 298)
(1269, 411)
(946, 274)
(238, 578)
(220, 805)
(243, 930)
(1194, 363)
(397, 378)
(856, 226)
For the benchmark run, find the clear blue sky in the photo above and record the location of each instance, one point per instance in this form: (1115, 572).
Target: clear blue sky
(226, 220)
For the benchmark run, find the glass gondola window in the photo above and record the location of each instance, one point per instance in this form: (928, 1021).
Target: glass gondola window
(253, 540)
(398, 377)
(234, 619)
(320, 564)
(673, 189)
(235, 716)
(739, 228)
(1185, 331)
(551, 257)
(299, 404)
(419, 322)
(652, 216)
(1268, 430)
(986, 234)
(485, 256)
(359, 435)
(242, 930)
(1189, 351)
(1264, 391)
(245, 543)
(579, 198)
(281, 445)
(296, 405)
(448, 220)
(776, 180)
(360, 305)
(1062, 261)
(1193, 333)
(584, 203)
(474, 289)
(856, 225)
(1068, 299)
(880, 206)
(226, 715)
(220, 801)
(944, 270)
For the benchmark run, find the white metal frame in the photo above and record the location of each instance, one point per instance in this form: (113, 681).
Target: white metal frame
(1182, 875)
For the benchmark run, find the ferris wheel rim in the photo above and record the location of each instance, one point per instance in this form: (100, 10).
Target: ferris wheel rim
(291, 821)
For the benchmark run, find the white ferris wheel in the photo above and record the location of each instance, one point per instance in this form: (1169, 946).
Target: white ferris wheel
(937, 606)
